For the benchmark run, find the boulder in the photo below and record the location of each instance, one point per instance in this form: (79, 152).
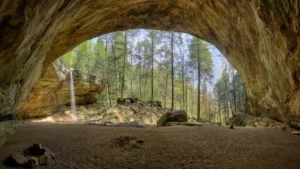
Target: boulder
(18, 158)
(295, 132)
(242, 119)
(46, 158)
(172, 116)
(32, 156)
(33, 162)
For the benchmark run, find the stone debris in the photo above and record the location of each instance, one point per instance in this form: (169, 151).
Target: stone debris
(32, 156)
(33, 162)
(128, 142)
(295, 132)
(19, 158)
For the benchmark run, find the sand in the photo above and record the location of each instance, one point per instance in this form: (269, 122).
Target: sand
(79, 146)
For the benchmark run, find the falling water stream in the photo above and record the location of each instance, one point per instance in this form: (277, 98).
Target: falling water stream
(73, 104)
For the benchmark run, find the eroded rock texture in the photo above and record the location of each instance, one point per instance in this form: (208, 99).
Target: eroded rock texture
(52, 91)
(259, 37)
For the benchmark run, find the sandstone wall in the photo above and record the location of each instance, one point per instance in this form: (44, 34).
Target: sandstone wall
(52, 91)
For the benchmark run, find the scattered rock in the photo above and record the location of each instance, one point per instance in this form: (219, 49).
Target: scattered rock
(242, 119)
(32, 156)
(33, 162)
(129, 142)
(295, 132)
(46, 158)
(35, 150)
(18, 158)
(137, 112)
(172, 116)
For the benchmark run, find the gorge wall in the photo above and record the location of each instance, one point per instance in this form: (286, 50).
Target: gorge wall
(260, 38)
(51, 92)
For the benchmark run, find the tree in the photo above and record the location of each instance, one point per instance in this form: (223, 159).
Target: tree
(124, 64)
(154, 37)
(200, 55)
(165, 66)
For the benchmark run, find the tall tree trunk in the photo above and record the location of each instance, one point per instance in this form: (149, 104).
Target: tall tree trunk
(131, 78)
(227, 93)
(183, 81)
(124, 65)
(219, 104)
(166, 89)
(199, 89)
(116, 69)
(172, 69)
(186, 98)
(107, 81)
(234, 92)
(239, 101)
(209, 109)
(140, 66)
(152, 68)
(145, 85)
(192, 100)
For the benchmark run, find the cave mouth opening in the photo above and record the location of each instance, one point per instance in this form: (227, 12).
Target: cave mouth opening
(131, 68)
(249, 33)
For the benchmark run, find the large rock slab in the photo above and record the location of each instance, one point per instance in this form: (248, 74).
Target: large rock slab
(242, 119)
(172, 116)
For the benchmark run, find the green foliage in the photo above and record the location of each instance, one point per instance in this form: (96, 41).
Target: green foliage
(104, 58)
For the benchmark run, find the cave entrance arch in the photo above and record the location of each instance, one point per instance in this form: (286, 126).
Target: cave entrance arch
(259, 38)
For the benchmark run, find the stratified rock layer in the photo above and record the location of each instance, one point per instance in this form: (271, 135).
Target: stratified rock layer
(52, 91)
(260, 38)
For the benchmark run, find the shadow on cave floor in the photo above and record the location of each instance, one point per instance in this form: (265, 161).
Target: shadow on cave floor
(82, 146)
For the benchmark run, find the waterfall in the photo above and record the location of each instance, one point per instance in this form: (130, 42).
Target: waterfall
(73, 104)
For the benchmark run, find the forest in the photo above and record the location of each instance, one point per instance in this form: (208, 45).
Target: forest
(173, 68)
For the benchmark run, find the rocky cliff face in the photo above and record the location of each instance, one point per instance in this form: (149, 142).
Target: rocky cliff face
(259, 38)
(52, 91)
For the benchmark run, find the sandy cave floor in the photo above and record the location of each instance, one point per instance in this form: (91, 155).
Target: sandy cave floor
(78, 146)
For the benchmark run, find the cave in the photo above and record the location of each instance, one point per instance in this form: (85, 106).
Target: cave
(260, 38)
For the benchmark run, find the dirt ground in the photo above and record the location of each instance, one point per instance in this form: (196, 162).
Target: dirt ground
(79, 146)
